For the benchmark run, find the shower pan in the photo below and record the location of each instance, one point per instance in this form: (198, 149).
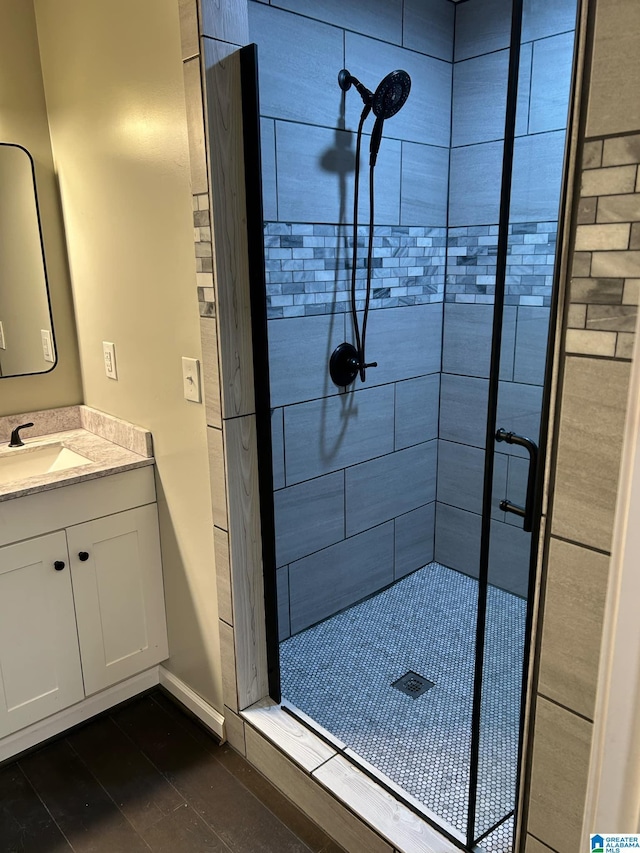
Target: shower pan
(401, 497)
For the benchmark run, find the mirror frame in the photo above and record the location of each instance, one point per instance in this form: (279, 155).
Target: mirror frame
(44, 266)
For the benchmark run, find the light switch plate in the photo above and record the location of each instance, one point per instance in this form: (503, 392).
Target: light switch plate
(109, 354)
(47, 345)
(191, 379)
(2, 343)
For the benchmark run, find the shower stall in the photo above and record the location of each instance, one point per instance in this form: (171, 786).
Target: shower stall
(403, 518)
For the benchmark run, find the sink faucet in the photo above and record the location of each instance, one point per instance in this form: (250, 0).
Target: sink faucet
(16, 441)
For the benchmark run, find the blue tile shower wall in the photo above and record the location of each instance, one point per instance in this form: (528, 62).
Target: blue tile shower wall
(355, 507)
(372, 479)
(461, 456)
(355, 473)
(479, 104)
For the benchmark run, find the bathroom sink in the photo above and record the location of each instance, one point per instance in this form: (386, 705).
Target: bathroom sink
(36, 461)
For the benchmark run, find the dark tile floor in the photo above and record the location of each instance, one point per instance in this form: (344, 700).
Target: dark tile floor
(146, 777)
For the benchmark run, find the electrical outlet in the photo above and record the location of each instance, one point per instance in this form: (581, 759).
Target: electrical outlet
(191, 379)
(109, 352)
(2, 343)
(47, 345)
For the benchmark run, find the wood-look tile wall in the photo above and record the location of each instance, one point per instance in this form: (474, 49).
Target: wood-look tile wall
(593, 405)
(197, 156)
(601, 315)
(605, 287)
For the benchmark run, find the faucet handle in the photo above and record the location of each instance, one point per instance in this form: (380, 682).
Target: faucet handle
(16, 440)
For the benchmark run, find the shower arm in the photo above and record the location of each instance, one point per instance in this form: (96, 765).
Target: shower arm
(526, 512)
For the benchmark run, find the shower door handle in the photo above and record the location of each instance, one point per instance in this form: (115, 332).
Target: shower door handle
(531, 447)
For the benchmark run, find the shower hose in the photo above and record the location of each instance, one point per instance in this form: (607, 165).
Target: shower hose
(361, 335)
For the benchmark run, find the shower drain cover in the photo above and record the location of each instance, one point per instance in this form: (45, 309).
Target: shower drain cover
(413, 685)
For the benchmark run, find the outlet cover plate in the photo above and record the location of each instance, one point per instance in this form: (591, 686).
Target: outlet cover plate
(109, 355)
(47, 345)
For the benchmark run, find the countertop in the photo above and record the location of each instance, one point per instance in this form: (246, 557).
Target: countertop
(107, 458)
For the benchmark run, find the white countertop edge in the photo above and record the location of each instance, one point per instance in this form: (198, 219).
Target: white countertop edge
(107, 458)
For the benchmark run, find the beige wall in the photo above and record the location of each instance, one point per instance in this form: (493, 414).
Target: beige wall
(23, 120)
(115, 96)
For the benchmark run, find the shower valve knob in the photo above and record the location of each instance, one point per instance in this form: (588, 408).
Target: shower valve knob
(345, 364)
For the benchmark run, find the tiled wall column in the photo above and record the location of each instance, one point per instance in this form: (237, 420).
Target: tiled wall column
(212, 33)
(601, 316)
(233, 444)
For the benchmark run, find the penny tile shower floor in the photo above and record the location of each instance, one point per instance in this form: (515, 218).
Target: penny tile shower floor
(340, 673)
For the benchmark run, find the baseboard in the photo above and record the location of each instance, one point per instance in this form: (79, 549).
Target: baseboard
(36, 733)
(206, 713)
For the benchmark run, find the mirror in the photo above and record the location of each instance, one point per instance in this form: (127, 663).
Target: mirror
(27, 343)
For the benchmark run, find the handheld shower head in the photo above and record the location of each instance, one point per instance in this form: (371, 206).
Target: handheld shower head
(391, 94)
(388, 99)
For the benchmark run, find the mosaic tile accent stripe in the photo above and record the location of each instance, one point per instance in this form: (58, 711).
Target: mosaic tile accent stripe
(471, 263)
(204, 254)
(308, 267)
(605, 282)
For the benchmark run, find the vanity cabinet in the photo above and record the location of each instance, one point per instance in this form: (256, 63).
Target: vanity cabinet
(81, 608)
(117, 587)
(40, 669)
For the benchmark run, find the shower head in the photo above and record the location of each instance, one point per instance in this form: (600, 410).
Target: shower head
(391, 94)
(388, 99)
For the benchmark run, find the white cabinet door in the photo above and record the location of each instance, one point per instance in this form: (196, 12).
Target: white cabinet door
(119, 595)
(39, 659)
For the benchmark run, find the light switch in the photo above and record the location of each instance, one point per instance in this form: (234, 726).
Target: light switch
(109, 352)
(47, 345)
(191, 379)
(2, 343)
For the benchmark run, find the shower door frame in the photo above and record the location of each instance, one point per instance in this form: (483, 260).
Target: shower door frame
(252, 160)
(489, 450)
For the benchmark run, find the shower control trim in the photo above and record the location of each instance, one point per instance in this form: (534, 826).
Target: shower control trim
(531, 447)
(345, 364)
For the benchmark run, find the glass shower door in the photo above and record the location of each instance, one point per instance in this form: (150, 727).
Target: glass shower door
(516, 429)
(389, 551)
